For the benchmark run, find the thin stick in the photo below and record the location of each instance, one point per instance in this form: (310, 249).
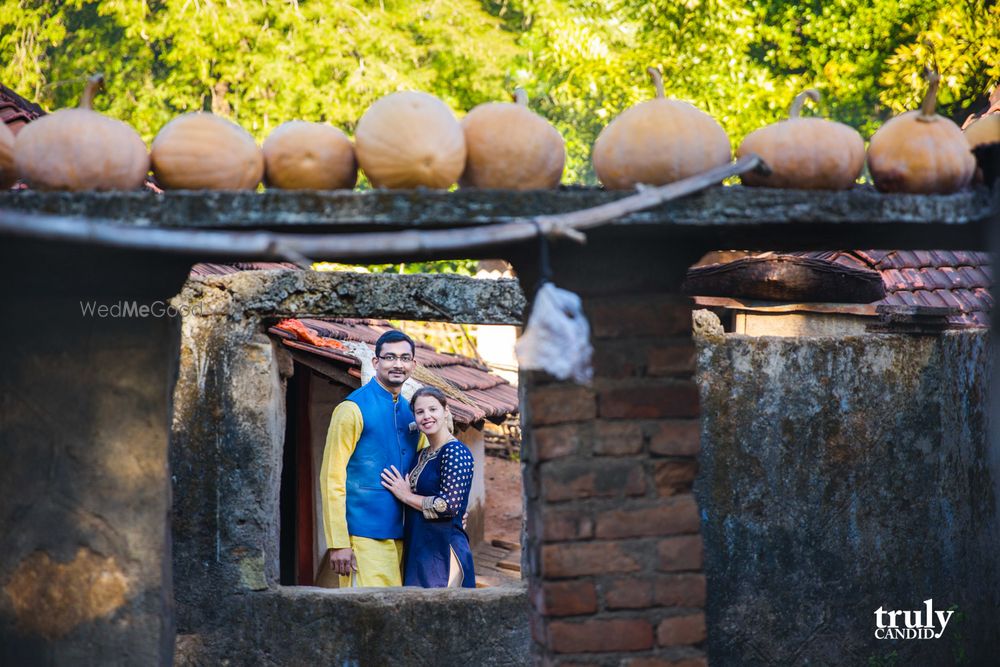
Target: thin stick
(299, 248)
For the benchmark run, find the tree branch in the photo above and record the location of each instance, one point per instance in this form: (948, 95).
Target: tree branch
(299, 248)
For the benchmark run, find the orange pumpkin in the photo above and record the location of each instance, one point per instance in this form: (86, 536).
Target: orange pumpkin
(81, 149)
(658, 141)
(309, 156)
(8, 172)
(511, 147)
(202, 151)
(805, 153)
(984, 131)
(920, 151)
(409, 140)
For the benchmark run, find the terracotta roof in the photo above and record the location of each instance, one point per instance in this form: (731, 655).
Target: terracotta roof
(481, 394)
(13, 107)
(943, 278)
(222, 269)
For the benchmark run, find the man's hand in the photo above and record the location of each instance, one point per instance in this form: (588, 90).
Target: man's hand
(343, 562)
(465, 520)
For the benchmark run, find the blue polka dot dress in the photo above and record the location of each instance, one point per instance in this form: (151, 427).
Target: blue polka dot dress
(436, 551)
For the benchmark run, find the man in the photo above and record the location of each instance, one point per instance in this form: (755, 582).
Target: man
(369, 431)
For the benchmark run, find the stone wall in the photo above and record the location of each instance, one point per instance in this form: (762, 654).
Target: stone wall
(226, 455)
(840, 476)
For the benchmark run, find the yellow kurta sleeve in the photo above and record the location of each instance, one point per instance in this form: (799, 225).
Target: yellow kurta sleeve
(346, 424)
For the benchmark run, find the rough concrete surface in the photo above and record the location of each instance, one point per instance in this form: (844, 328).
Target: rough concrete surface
(841, 475)
(405, 627)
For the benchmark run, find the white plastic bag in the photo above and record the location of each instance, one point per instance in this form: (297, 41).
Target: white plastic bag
(557, 338)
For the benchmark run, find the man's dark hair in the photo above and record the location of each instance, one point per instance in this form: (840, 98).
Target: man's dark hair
(393, 336)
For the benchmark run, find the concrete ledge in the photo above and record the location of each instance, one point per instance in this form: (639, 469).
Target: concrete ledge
(448, 297)
(400, 626)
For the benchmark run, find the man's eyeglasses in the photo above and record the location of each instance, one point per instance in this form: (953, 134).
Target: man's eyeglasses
(392, 358)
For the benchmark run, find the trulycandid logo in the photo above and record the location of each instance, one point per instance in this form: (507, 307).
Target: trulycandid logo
(907, 624)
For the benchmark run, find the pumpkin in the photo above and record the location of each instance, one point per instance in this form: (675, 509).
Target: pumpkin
(81, 149)
(408, 140)
(983, 136)
(805, 153)
(202, 151)
(309, 156)
(658, 141)
(984, 131)
(8, 172)
(511, 147)
(920, 151)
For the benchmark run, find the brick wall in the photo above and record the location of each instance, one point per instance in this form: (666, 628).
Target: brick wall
(613, 545)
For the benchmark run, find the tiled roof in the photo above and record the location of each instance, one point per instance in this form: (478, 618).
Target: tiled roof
(13, 107)
(951, 278)
(480, 394)
(223, 269)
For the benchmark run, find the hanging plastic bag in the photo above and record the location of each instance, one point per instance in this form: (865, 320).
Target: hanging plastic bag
(557, 338)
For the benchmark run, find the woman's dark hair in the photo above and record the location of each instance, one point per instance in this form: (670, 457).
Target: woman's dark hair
(393, 336)
(433, 392)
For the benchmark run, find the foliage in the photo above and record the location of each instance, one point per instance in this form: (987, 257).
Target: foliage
(262, 62)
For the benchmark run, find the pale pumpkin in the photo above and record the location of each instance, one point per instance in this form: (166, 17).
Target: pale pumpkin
(658, 141)
(921, 152)
(409, 140)
(511, 147)
(8, 172)
(805, 153)
(984, 131)
(300, 155)
(202, 151)
(81, 149)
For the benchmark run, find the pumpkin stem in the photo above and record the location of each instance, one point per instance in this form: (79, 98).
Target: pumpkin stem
(657, 78)
(800, 100)
(521, 97)
(94, 84)
(930, 99)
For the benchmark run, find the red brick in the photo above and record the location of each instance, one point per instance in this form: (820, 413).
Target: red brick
(628, 593)
(618, 439)
(560, 403)
(621, 358)
(670, 517)
(676, 358)
(552, 442)
(694, 661)
(566, 598)
(574, 559)
(597, 636)
(681, 630)
(639, 315)
(677, 437)
(680, 553)
(672, 590)
(650, 400)
(569, 525)
(680, 590)
(673, 477)
(578, 479)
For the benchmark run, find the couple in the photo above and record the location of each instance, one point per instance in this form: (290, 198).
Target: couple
(372, 443)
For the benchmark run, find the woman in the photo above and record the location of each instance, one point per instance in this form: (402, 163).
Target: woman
(436, 551)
